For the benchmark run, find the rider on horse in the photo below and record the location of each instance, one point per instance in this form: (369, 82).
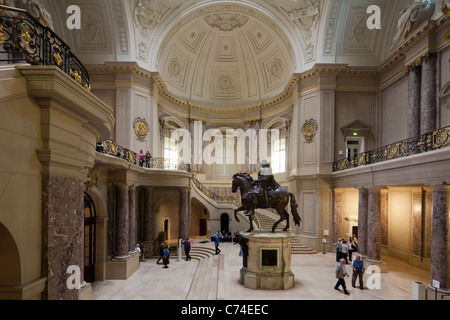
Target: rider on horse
(265, 183)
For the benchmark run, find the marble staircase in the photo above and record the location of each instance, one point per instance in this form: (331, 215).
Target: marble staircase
(267, 220)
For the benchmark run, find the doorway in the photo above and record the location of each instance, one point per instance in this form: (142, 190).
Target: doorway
(224, 222)
(354, 146)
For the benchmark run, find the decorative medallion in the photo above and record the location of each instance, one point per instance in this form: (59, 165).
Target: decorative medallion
(226, 21)
(141, 128)
(309, 130)
(442, 138)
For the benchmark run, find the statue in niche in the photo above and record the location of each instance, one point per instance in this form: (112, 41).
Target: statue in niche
(264, 193)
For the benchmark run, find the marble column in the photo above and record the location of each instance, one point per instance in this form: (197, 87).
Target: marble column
(417, 222)
(149, 219)
(122, 221)
(62, 234)
(338, 214)
(428, 109)
(384, 202)
(439, 235)
(185, 213)
(362, 220)
(132, 219)
(111, 207)
(414, 92)
(374, 225)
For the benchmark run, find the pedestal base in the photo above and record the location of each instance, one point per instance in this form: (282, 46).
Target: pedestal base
(268, 262)
(122, 269)
(267, 282)
(382, 266)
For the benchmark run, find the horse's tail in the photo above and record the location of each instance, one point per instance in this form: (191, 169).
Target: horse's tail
(294, 211)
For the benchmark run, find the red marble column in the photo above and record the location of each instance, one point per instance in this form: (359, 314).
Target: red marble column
(62, 234)
(428, 103)
(185, 214)
(374, 225)
(440, 225)
(338, 208)
(362, 220)
(414, 92)
(122, 221)
(132, 219)
(149, 223)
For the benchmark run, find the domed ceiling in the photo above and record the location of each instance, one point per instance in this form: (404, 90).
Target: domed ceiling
(226, 56)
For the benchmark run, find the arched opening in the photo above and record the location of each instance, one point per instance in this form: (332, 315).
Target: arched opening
(10, 269)
(89, 238)
(225, 222)
(166, 229)
(199, 219)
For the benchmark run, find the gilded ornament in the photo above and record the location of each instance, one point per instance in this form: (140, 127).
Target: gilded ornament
(27, 38)
(141, 128)
(2, 34)
(446, 10)
(309, 130)
(442, 138)
(75, 75)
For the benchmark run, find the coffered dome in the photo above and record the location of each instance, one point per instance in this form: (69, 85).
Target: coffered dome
(226, 56)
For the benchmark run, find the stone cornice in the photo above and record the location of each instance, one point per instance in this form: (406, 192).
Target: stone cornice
(49, 82)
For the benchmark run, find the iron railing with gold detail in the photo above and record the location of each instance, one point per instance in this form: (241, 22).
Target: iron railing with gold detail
(113, 149)
(213, 196)
(23, 39)
(424, 143)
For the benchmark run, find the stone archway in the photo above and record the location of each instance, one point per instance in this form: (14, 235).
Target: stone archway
(10, 266)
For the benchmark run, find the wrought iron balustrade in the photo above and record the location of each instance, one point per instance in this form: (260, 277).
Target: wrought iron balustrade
(23, 39)
(215, 197)
(424, 143)
(113, 149)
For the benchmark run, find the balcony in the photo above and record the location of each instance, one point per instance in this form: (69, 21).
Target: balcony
(23, 39)
(111, 148)
(431, 141)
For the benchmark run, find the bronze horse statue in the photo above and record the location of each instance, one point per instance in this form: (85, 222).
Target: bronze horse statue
(276, 199)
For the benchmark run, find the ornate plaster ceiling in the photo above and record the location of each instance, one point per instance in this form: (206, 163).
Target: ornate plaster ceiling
(226, 56)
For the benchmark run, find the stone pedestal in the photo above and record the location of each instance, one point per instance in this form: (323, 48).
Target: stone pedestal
(267, 265)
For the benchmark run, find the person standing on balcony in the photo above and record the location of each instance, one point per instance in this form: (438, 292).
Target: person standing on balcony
(148, 158)
(141, 158)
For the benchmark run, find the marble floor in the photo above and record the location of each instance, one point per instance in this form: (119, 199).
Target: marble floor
(217, 278)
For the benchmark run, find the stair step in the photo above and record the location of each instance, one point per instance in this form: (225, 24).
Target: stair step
(266, 222)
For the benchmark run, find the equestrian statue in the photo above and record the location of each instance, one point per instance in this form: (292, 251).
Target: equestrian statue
(264, 193)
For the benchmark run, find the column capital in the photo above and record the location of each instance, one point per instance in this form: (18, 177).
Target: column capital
(441, 187)
(375, 189)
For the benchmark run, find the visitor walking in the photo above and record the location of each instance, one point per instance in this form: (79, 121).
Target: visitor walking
(351, 249)
(161, 253)
(338, 249)
(344, 251)
(187, 249)
(217, 242)
(358, 271)
(341, 273)
(166, 257)
(142, 247)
